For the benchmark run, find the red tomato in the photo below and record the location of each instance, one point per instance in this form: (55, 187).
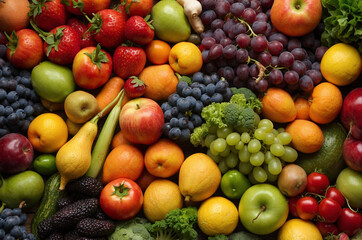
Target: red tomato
(292, 203)
(139, 8)
(336, 195)
(92, 67)
(329, 210)
(349, 222)
(307, 208)
(317, 183)
(121, 199)
(327, 228)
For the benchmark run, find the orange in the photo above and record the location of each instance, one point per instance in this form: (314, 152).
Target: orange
(123, 161)
(325, 103)
(48, 132)
(298, 229)
(163, 158)
(278, 106)
(307, 137)
(157, 52)
(185, 58)
(302, 106)
(119, 139)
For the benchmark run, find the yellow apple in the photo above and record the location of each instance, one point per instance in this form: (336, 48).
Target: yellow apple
(185, 58)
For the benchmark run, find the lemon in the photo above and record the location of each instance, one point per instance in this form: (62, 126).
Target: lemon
(341, 64)
(217, 215)
(298, 229)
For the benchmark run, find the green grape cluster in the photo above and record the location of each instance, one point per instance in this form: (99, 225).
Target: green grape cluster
(260, 153)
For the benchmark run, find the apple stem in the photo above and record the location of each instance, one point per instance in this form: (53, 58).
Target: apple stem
(22, 204)
(262, 209)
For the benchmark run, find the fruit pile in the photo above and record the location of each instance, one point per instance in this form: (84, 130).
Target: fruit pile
(180, 119)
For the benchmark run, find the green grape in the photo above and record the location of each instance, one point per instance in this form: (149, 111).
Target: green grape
(234, 150)
(214, 157)
(245, 167)
(219, 144)
(209, 138)
(212, 149)
(254, 146)
(275, 166)
(275, 132)
(232, 160)
(256, 119)
(257, 159)
(252, 179)
(267, 124)
(244, 154)
(223, 167)
(269, 139)
(268, 156)
(226, 152)
(223, 132)
(271, 178)
(213, 128)
(281, 129)
(259, 134)
(276, 140)
(277, 149)
(290, 154)
(233, 138)
(259, 174)
(245, 137)
(285, 138)
(239, 145)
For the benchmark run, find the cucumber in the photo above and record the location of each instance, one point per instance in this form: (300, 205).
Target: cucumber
(329, 159)
(48, 204)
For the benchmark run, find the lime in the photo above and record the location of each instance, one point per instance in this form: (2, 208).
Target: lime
(45, 164)
(234, 184)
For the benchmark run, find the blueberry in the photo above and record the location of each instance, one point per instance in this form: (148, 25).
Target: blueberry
(174, 111)
(22, 102)
(12, 85)
(207, 80)
(185, 134)
(27, 93)
(183, 122)
(7, 71)
(196, 93)
(183, 105)
(205, 99)
(198, 107)
(3, 94)
(166, 128)
(165, 106)
(10, 222)
(9, 237)
(168, 115)
(217, 97)
(24, 128)
(202, 88)
(3, 49)
(24, 73)
(34, 96)
(17, 212)
(29, 110)
(180, 86)
(6, 212)
(221, 86)
(186, 91)
(4, 131)
(172, 99)
(192, 101)
(174, 133)
(23, 216)
(21, 113)
(2, 110)
(12, 119)
(4, 83)
(16, 232)
(196, 120)
(17, 78)
(2, 120)
(198, 77)
(26, 81)
(31, 236)
(5, 102)
(15, 105)
(8, 110)
(227, 94)
(38, 109)
(20, 89)
(210, 89)
(180, 115)
(174, 122)
(2, 233)
(190, 126)
(214, 77)
(2, 220)
(195, 85)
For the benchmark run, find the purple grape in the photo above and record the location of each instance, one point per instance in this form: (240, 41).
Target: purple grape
(265, 58)
(249, 15)
(255, 4)
(205, 56)
(316, 66)
(275, 76)
(253, 70)
(268, 30)
(307, 63)
(293, 43)
(308, 40)
(245, 2)
(221, 62)
(207, 33)
(243, 40)
(237, 9)
(218, 35)
(238, 28)
(261, 17)
(261, 85)
(238, 83)
(222, 7)
(299, 67)
(215, 51)
(229, 51)
(286, 59)
(251, 84)
(266, 3)
(280, 37)
(259, 43)
(228, 73)
(226, 41)
(208, 42)
(291, 77)
(207, 4)
(241, 55)
(274, 61)
(315, 75)
(259, 27)
(306, 83)
(217, 23)
(253, 54)
(210, 67)
(208, 16)
(242, 71)
(275, 47)
(228, 24)
(319, 52)
(299, 53)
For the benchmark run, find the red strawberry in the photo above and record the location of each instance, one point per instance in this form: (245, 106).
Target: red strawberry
(138, 30)
(79, 7)
(134, 87)
(86, 39)
(48, 14)
(107, 26)
(122, 9)
(128, 61)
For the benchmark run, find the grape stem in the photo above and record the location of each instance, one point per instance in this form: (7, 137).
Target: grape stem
(252, 33)
(261, 69)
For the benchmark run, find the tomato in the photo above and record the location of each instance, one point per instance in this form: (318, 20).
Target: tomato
(134, 87)
(139, 8)
(307, 208)
(121, 199)
(92, 67)
(317, 183)
(336, 195)
(349, 222)
(25, 49)
(329, 210)
(292, 202)
(327, 228)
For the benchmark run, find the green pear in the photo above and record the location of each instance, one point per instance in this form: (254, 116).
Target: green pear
(80, 106)
(170, 21)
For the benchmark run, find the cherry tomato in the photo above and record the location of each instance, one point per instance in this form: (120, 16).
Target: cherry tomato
(329, 210)
(336, 195)
(134, 87)
(317, 183)
(327, 228)
(292, 203)
(307, 208)
(349, 222)
(121, 199)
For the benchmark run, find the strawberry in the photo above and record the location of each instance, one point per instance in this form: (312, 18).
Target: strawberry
(134, 87)
(86, 39)
(128, 61)
(139, 30)
(80, 7)
(48, 14)
(107, 27)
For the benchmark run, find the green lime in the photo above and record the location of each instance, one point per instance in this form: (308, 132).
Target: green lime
(45, 164)
(234, 184)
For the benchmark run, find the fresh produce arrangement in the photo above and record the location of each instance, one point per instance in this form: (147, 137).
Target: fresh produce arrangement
(180, 119)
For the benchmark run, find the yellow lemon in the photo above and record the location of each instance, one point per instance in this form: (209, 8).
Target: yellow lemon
(217, 215)
(341, 64)
(48, 132)
(185, 58)
(298, 229)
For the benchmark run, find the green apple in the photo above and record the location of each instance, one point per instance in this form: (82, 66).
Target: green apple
(52, 82)
(80, 106)
(170, 21)
(263, 209)
(349, 182)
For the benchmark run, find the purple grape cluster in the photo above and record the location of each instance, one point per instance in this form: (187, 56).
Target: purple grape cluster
(183, 108)
(240, 44)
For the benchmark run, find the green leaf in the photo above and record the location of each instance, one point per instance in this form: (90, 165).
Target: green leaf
(96, 24)
(79, 4)
(65, 2)
(121, 190)
(37, 6)
(98, 57)
(137, 82)
(53, 40)
(12, 42)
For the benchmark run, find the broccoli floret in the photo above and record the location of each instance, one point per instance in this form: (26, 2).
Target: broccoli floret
(246, 91)
(179, 224)
(247, 98)
(246, 118)
(198, 135)
(214, 114)
(232, 113)
(218, 237)
(133, 229)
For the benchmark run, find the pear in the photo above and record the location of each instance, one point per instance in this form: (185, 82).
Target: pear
(80, 106)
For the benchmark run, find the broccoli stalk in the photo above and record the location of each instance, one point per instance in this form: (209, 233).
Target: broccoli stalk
(178, 225)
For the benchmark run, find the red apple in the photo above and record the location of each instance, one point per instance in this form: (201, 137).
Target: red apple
(16, 153)
(141, 121)
(351, 113)
(352, 153)
(296, 17)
